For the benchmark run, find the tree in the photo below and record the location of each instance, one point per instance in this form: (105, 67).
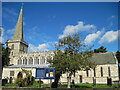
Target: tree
(118, 56)
(70, 56)
(101, 49)
(4, 56)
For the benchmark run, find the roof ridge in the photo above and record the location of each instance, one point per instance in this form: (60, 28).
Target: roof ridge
(104, 53)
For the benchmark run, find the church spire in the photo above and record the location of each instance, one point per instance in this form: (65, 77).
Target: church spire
(18, 35)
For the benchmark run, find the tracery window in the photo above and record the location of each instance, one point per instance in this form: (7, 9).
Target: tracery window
(25, 61)
(30, 60)
(36, 60)
(42, 60)
(19, 61)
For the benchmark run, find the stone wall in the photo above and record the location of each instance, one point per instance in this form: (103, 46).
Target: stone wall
(99, 79)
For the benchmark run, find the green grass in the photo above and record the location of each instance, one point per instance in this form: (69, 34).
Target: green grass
(82, 85)
(11, 85)
(37, 85)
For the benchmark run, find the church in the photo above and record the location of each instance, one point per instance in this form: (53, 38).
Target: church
(20, 58)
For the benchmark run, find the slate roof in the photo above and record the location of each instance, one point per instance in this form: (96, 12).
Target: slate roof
(27, 66)
(104, 58)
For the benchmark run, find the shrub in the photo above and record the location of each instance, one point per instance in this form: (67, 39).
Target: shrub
(28, 80)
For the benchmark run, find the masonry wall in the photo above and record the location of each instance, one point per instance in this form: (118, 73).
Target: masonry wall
(99, 79)
(80, 76)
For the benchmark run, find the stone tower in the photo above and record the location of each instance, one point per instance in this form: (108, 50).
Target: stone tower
(17, 45)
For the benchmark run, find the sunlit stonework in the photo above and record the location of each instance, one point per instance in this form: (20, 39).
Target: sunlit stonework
(107, 65)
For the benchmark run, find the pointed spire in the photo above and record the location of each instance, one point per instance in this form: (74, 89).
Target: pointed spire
(18, 35)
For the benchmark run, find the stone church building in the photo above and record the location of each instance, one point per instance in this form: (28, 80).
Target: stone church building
(107, 64)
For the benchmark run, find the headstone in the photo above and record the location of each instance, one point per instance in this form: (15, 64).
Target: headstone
(94, 81)
(109, 81)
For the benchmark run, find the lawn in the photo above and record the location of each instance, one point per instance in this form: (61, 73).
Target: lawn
(82, 85)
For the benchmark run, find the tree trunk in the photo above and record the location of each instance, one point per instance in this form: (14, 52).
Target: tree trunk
(57, 77)
(69, 81)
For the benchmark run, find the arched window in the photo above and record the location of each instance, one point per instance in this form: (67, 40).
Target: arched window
(87, 73)
(30, 60)
(25, 61)
(101, 71)
(42, 60)
(94, 72)
(36, 60)
(19, 61)
(109, 74)
(48, 58)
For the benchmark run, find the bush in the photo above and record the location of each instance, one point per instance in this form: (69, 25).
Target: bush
(40, 81)
(24, 81)
(20, 82)
(28, 80)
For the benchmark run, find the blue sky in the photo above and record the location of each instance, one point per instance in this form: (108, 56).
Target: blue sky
(46, 22)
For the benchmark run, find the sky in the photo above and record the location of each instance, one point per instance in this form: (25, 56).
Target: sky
(47, 22)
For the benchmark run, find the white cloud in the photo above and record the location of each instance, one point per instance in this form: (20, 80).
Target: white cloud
(6, 34)
(111, 17)
(92, 37)
(1, 34)
(109, 36)
(71, 29)
(10, 14)
(110, 20)
(40, 47)
(10, 31)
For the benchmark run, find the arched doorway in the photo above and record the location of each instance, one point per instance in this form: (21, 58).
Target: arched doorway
(20, 75)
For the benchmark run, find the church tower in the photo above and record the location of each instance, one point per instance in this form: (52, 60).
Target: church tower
(17, 45)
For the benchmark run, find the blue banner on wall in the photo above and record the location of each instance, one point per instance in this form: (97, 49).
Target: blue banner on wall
(45, 73)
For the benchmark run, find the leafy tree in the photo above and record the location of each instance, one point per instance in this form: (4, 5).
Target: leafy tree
(4, 56)
(70, 56)
(101, 49)
(118, 56)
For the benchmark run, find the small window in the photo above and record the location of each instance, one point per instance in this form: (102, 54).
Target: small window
(101, 72)
(11, 73)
